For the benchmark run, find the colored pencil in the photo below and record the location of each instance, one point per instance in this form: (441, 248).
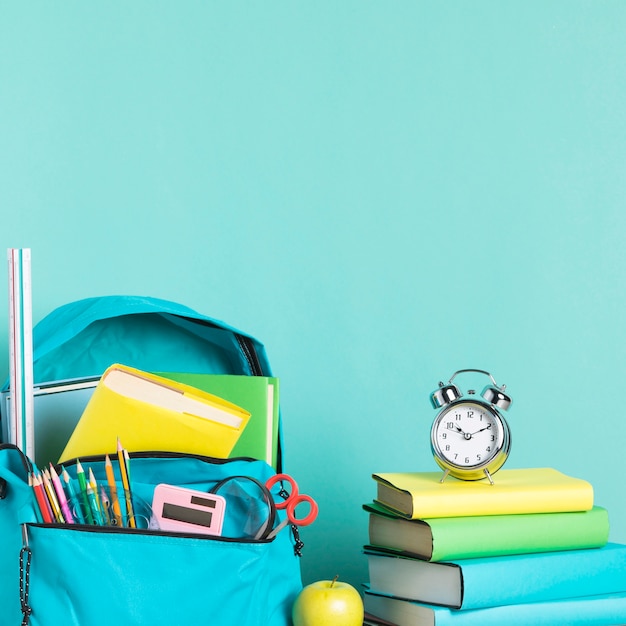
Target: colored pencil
(74, 498)
(123, 459)
(42, 500)
(82, 483)
(52, 498)
(38, 507)
(61, 497)
(115, 503)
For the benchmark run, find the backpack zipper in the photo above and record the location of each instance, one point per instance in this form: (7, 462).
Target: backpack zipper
(91, 528)
(249, 353)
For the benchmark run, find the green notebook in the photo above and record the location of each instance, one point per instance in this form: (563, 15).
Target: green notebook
(256, 394)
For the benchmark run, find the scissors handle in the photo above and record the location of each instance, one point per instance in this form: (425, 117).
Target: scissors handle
(293, 500)
(307, 519)
(277, 478)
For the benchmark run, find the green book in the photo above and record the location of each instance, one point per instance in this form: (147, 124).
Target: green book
(449, 538)
(256, 394)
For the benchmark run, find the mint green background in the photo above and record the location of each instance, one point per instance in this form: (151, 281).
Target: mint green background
(382, 192)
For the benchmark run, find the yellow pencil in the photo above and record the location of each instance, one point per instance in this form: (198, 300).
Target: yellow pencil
(122, 457)
(52, 498)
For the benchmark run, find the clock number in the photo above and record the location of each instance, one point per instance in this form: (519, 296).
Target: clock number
(467, 460)
(470, 414)
(444, 435)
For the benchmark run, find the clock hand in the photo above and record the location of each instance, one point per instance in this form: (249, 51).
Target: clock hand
(481, 430)
(462, 432)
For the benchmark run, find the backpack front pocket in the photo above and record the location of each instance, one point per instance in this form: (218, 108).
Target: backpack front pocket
(78, 575)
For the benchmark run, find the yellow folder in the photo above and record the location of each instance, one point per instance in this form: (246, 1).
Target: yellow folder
(152, 413)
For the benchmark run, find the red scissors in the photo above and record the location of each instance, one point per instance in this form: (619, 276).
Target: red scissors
(291, 503)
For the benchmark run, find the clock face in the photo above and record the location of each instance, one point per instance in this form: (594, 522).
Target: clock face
(467, 435)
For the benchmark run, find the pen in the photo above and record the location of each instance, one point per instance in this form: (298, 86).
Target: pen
(124, 463)
(105, 504)
(91, 497)
(77, 513)
(58, 487)
(82, 483)
(91, 481)
(99, 513)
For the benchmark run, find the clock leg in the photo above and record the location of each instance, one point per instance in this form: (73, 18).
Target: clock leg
(488, 475)
(445, 475)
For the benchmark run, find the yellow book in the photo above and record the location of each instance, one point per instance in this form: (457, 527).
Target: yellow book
(417, 495)
(152, 413)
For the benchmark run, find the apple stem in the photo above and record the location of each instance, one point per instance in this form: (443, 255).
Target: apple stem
(334, 580)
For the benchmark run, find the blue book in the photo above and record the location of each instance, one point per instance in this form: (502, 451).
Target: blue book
(603, 610)
(501, 580)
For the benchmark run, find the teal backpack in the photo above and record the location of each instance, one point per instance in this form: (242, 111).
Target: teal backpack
(52, 574)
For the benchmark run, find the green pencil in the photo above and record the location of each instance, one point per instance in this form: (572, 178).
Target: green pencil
(82, 483)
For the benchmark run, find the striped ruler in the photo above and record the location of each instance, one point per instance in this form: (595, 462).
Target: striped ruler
(21, 426)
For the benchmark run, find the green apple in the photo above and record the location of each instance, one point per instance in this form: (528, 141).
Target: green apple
(328, 603)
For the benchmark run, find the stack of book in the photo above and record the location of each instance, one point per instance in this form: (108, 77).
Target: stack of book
(530, 549)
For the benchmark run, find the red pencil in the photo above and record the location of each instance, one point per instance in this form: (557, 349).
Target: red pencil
(42, 500)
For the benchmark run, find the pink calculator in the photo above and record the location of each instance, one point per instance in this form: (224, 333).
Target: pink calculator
(185, 510)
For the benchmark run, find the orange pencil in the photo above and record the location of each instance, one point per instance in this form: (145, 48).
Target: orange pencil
(115, 503)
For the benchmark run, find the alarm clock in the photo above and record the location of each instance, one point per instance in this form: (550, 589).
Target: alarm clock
(470, 439)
